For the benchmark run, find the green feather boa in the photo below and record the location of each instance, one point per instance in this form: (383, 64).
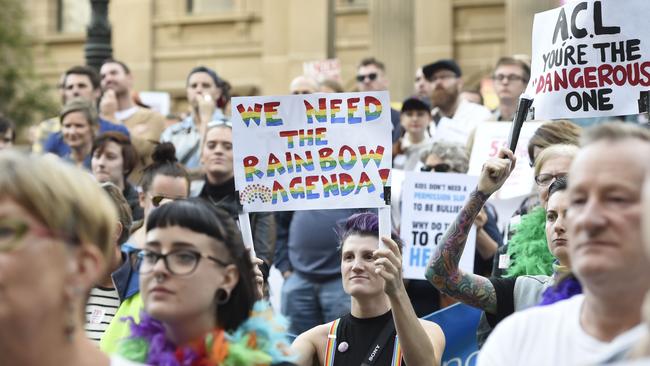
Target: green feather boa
(527, 249)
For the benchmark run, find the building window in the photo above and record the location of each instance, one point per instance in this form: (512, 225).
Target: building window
(353, 3)
(209, 6)
(73, 16)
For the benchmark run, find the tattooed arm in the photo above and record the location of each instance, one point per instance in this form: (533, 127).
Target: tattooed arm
(442, 270)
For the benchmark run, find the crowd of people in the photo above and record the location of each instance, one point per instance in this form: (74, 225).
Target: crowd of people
(119, 242)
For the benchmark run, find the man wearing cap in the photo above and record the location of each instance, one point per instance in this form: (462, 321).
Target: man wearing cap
(455, 117)
(371, 76)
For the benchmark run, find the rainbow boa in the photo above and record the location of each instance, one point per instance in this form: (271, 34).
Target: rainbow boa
(260, 340)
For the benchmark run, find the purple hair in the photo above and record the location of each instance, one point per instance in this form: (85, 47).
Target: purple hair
(363, 224)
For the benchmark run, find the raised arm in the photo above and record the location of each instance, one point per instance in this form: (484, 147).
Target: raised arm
(442, 270)
(420, 345)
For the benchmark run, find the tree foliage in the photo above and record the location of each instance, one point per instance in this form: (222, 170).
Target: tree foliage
(23, 96)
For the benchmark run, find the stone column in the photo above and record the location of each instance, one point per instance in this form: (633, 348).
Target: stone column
(519, 23)
(392, 41)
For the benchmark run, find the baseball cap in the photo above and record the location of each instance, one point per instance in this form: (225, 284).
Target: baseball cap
(446, 64)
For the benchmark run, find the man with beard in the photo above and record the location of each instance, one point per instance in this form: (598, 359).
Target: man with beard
(455, 117)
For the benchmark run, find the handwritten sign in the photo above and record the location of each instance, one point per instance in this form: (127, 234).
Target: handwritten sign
(316, 151)
(590, 59)
(490, 137)
(430, 203)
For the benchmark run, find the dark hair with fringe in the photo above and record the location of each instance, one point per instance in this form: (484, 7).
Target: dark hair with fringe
(88, 71)
(364, 224)
(164, 163)
(560, 184)
(198, 216)
(129, 154)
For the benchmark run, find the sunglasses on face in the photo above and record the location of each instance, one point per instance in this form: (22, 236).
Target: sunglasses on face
(158, 199)
(439, 168)
(372, 77)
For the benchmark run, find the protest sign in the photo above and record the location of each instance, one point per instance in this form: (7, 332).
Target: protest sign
(323, 69)
(490, 137)
(590, 59)
(459, 322)
(430, 203)
(313, 151)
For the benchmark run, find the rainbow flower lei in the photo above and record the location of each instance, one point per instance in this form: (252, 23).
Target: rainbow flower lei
(259, 341)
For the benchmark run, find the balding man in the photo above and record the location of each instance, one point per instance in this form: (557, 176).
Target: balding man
(603, 223)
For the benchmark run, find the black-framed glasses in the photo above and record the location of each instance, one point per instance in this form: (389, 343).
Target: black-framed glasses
(510, 77)
(179, 262)
(439, 168)
(545, 180)
(372, 77)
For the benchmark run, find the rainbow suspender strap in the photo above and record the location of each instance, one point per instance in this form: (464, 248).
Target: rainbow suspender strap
(330, 350)
(397, 353)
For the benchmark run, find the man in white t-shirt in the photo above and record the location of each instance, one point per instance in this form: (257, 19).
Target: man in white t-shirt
(603, 223)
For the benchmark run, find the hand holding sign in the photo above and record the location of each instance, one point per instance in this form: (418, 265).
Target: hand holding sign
(495, 172)
(388, 265)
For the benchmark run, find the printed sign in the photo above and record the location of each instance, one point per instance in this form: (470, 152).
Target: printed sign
(313, 151)
(490, 137)
(590, 59)
(323, 69)
(430, 203)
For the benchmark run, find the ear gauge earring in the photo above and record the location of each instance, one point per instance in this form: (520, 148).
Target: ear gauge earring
(222, 296)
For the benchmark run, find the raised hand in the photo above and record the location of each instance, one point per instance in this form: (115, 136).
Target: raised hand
(495, 172)
(388, 264)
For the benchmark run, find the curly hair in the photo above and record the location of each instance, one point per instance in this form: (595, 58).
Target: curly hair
(451, 153)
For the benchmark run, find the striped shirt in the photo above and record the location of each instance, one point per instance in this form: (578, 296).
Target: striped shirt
(100, 310)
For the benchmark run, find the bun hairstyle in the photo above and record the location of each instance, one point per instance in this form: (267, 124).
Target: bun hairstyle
(164, 163)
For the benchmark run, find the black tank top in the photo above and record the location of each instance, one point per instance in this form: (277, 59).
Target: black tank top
(359, 334)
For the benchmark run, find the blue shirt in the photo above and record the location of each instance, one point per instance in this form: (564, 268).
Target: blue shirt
(55, 144)
(186, 138)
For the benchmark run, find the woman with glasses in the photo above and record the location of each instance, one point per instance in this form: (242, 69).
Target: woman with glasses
(54, 247)
(197, 284)
(163, 181)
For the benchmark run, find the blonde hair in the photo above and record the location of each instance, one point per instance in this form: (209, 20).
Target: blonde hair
(555, 151)
(63, 198)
